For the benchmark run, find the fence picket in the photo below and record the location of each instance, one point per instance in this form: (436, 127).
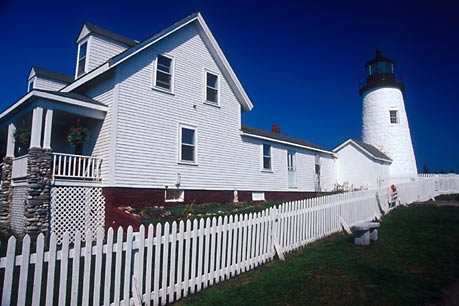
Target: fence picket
(205, 274)
(148, 275)
(108, 266)
(9, 269)
(200, 255)
(181, 239)
(75, 255)
(98, 266)
(212, 252)
(128, 266)
(25, 260)
(186, 276)
(165, 267)
(194, 254)
(172, 262)
(52, 258)
(118, 264)
(157, 265)
(87, 253)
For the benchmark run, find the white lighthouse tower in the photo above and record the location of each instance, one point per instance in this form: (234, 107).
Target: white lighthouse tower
(385, 123)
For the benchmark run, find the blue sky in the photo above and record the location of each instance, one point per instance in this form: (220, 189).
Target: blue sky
(299, 61)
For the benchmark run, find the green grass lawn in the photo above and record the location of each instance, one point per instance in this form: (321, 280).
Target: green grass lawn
(414, 260)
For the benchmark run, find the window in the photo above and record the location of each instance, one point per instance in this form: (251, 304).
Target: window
(174, 195)
(317, 164)
(393, 116)
(266, 157)
(82, 58)
(30, 88)
(164, 72)
(212, 88)
(187, 145)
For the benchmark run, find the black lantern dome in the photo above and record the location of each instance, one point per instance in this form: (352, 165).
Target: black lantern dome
(380, 73)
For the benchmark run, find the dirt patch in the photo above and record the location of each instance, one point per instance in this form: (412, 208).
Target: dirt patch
(450, 296)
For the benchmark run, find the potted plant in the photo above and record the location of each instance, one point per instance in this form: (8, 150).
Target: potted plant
(76, 136)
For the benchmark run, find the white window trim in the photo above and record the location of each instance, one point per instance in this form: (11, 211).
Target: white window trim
(85, 70)
(263, 169)
(206, 71)
(181, 196)
(31, 81)
(397, 116)
(155, 67)
(179, 142)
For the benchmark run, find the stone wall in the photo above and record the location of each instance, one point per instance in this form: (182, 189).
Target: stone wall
(39, 166)
(6, 194)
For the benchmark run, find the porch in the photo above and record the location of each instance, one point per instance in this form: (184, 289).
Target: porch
(64, 166)
(51, 169)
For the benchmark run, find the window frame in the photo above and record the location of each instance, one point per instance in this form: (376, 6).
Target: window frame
(206, 86)
(180, 198)
(79, 59)
(397, 118)
(263, 156)
(31, 85)
(180, 144)
(171, 73)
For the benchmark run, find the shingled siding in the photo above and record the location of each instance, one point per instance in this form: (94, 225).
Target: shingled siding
(45, 84)
(101, 50)
(104, 93)
(148, 123)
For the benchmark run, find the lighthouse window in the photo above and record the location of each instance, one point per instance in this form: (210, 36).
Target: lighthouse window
(393, 116)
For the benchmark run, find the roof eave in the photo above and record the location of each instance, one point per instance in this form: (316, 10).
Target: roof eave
(35, 94)
(335, 150)
(286, 143)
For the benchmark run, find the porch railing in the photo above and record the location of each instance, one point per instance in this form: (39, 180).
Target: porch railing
(76, 166)
(19, 167)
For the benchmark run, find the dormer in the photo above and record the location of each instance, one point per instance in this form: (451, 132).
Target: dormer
(96, 46)
(40, 78)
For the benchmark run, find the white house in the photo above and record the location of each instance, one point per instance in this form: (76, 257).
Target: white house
(361, 165)
(164, 126)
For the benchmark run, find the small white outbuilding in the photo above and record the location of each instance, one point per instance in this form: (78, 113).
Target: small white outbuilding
(361, 165)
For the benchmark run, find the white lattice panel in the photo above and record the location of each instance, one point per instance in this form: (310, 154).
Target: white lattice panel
(76, 208)
(18, 209)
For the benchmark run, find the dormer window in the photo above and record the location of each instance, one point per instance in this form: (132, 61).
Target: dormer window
(82, 58)
(30, 86)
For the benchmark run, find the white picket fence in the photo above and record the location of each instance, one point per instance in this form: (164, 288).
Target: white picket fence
(164, 263)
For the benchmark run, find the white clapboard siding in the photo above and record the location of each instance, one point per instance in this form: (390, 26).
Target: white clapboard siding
(164, 263)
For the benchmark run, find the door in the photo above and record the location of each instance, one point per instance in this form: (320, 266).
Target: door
(291, 167)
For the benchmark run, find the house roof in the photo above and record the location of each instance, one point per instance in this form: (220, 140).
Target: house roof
(367, 148)
(280, 138)
(208, 39)
(73, 95)
(114, 36)
(64, 98)
(48, 74)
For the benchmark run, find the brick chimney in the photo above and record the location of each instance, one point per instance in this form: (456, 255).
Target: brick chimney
(276, 128)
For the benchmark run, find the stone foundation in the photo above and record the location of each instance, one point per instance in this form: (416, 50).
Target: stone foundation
(6, 196)
(37, 214)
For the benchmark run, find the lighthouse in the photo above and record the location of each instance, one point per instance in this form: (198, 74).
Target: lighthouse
(385, 122)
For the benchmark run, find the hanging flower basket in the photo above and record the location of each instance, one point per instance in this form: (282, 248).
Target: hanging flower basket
(76, 136)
